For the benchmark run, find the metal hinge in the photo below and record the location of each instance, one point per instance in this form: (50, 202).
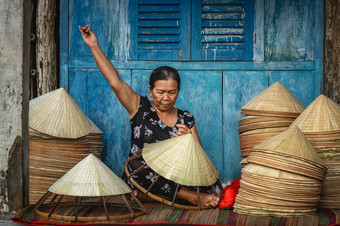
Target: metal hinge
(255, 38)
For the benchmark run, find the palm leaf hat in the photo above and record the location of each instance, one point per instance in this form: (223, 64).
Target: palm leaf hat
(89, 178)
(181, 160)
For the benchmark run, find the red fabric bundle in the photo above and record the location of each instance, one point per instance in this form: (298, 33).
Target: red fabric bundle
(229, 194)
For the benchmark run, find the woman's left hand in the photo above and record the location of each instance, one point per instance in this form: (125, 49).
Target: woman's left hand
(182, 129)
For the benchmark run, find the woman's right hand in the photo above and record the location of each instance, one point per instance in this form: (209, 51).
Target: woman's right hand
(89, 36)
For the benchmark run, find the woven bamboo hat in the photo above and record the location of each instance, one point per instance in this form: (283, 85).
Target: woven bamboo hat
(182, 160)
(276, 100)
(322, 115)
(57, 114)
(90, 177)
(294, 143)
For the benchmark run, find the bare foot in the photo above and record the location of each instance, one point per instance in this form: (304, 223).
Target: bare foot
(208, 200)
(205, 199)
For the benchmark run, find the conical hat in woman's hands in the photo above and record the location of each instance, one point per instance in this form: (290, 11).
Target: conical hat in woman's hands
(182, 160)
(276, 98)
(322, 115)
(292, 142)
(57, 114)
(90, 177)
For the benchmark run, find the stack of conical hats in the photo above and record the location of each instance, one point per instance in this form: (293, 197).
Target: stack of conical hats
(320, 122)
(60, 136)
(268, 114)
(89, 178)
(283, 177)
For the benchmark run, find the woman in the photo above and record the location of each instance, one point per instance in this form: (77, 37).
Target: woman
(150, 121)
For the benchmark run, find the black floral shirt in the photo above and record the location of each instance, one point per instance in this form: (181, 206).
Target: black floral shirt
(147, 127)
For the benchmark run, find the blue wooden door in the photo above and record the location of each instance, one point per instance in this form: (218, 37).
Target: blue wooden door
(226, 51)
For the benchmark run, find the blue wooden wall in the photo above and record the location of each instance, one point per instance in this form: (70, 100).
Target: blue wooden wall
(288, 48)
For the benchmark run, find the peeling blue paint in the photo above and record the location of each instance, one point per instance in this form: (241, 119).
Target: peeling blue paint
(288, 49)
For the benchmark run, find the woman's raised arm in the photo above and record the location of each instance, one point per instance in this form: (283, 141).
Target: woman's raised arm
(127, 97)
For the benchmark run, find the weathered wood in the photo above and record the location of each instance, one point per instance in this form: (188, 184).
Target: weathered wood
(46, 50)
(332, 50)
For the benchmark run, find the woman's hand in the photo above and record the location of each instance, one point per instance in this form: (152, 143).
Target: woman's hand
(182, 129)
(89, 36)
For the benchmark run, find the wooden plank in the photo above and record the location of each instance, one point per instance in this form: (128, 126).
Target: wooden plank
(168, 46)
(222, 38)
(300, 83)
(220, 31)
(83, 12)
(78, 87)
(157, 15)
(159, 8)
(105, 110)
(212, 65)
(158, 30)
(290, 30)
(201, 95)
(222, 16)
(222, 8)
(239, 87)
(158, 23)
(158, 38)
(64, 45)
(259, 31)
(159, 2)
(319, 47)
(222, 23)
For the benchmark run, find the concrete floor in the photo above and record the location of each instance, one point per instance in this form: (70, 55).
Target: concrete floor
(5, 220)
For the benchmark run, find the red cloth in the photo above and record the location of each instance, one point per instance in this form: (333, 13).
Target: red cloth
(229, 194)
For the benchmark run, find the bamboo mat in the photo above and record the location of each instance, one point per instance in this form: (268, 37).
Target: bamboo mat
(160, 214)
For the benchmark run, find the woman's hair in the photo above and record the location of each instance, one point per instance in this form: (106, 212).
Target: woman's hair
(164, 73)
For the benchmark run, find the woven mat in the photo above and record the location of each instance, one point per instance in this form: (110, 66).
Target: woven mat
(160, 214)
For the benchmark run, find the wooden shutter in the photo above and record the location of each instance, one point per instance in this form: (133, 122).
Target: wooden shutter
(222, 29)
(160, 29)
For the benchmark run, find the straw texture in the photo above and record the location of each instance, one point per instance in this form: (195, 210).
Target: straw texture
(293, 142)
(182, 160)
(276, 98)
(90, 177)
(57, 114)
(322, 115)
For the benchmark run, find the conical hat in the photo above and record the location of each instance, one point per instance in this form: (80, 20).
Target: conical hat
(275, 98)
(182, 160)
(292, 142)
(90, 177)
(57, 114)
(322, 115)
(274, 173)
(94, 128)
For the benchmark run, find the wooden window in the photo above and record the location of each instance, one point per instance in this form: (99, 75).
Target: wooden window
(182, 30)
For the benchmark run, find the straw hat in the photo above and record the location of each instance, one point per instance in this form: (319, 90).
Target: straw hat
(182, 160)
(275, 98)
(57, 114)
(90, 177)
(322, 115)
(292, 142)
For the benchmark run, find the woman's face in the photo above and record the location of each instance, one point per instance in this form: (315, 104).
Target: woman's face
(164, 94)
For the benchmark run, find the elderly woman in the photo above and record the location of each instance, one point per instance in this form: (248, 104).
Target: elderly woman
(151, 121)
